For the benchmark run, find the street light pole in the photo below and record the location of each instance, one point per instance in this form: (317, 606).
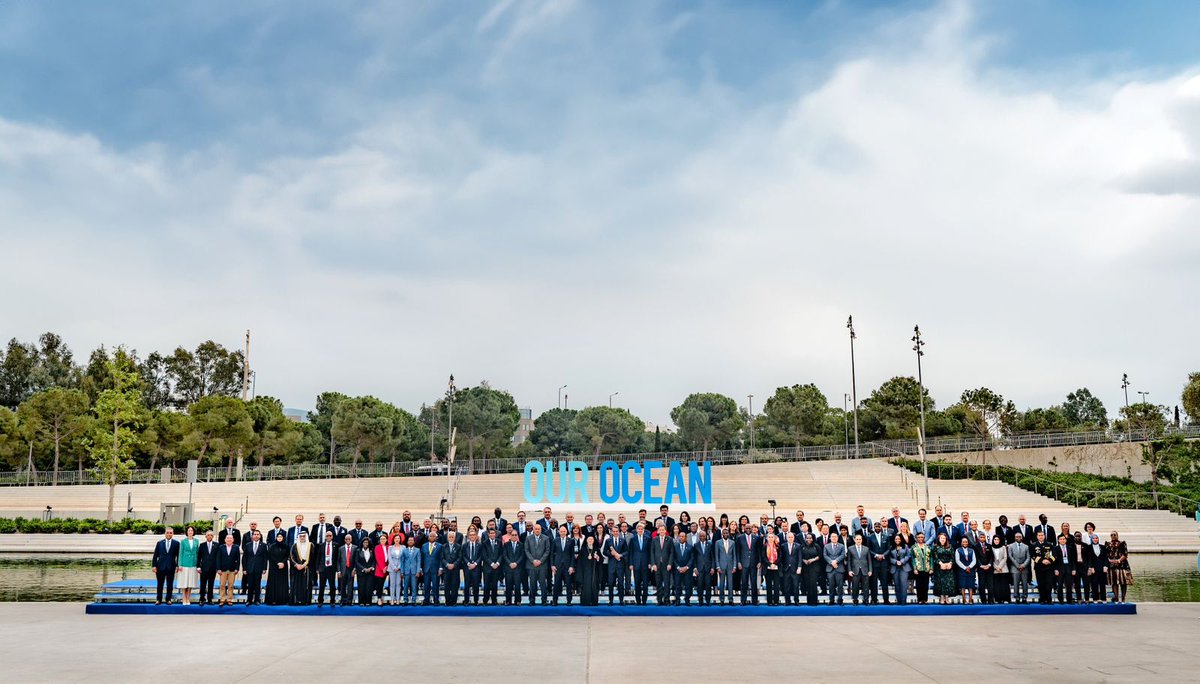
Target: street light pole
(560, 389)
(1125, 386)
(846, 422)
(853, 381)
(610, 398)
(1144, 395)
(750, 408)
(450, 428)
(917, 344)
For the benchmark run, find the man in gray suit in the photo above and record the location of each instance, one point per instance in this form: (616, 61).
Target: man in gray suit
(662, 563)
(725, 561)
(834, 555)
(1018, 565)
(858, 567)
(537, 565)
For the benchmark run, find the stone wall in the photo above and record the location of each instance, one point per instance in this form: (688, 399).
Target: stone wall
(1114, 460)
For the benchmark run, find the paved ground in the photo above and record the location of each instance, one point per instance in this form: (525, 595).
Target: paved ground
(57, 642)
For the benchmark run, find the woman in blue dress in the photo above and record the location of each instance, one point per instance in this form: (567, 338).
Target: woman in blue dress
(964, 563)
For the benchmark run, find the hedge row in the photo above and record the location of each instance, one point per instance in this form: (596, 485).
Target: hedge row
(1076, 489)
(93, 525)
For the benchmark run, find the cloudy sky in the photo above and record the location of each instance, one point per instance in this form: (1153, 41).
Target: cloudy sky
(650, 198)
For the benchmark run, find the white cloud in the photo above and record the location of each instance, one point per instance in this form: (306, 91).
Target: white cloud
(654, 241)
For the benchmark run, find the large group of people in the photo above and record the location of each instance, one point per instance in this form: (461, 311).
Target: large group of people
(711, 561)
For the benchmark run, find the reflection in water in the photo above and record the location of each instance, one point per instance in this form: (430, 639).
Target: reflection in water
(1157, 577)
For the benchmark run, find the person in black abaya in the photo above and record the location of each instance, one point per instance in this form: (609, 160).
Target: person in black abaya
(277, 572)
(588, 569)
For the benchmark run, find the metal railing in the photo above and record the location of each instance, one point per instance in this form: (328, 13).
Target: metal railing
(1074, 496)
(477, 466)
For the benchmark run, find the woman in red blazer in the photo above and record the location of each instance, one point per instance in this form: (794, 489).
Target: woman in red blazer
(381, 562)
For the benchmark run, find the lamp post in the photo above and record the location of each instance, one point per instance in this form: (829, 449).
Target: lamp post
(917, 344)
(1125, 386)
(1144, 395)
(846, 422)
(610, 398)
(560, 389)
(750, 409)
(853, 381)
(450, 426)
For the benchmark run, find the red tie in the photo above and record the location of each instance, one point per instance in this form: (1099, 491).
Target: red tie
(348, 556)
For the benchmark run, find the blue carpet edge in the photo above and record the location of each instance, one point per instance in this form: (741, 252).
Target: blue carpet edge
(616, 611)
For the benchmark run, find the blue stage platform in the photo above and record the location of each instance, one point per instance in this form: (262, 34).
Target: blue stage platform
(618, 611)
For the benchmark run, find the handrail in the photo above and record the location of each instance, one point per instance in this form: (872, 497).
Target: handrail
(872, 449)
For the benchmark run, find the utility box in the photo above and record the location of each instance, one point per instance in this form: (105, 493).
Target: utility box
(175, 515)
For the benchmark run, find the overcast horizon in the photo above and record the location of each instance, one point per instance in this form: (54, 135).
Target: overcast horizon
(645, 198)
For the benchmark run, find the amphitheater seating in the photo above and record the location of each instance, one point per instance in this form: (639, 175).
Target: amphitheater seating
(820, 488)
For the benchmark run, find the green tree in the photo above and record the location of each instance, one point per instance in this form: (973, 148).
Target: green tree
(56, 415)
(97, 374)
(893, 411)
(1143, 416)
(274, 436)
(1168, 457)
(322, 416)
(12, 446)
(120, 413)
(1082, 409)
(552, 433)
(706, 419)
(55, 364)
(156, 382)
(211, 370)
(988, 414)
(484, 418)
(220, 427)
(364, 424)
(17, 364)
(603, 428)
(163, 437)
(1035, 419)
(1191, 398)
(799, 412)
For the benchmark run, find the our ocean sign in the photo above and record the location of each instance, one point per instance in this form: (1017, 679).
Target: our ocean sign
(651, 483)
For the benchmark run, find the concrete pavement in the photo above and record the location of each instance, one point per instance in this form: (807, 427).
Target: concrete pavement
(57, 642)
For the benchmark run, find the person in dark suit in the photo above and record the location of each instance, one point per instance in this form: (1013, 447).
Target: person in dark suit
(431, 570)
(364, 571)
(879, 541)
(664, 518)
(893, 523)
(616, 550)
(273, 533)
(859, 568)
(1065, 560)
(562, 564)
(317, 532)
(662, 553)
(749, 559)
(703, 573)
(325, 564)
(228, 531)
(206, 559)
(681, 574)
(493, 566)
(254, 564)
(639, 563)
(513, 560)
(357, 534)
(1046, 528)
(1096, 568)
(537, 565)
(472, 564)
(339, 532)
(345, 569)
(293, 533)
(501, 523)
(789, 572)
(724, 563)
(228, 564)
(1025, 529)
(165, 562)
(451, 568)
